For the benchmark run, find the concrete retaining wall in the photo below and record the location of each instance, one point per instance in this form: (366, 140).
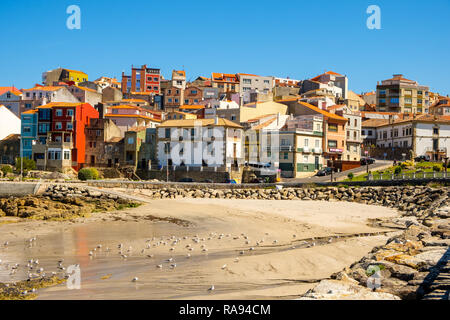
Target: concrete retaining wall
(18, 189)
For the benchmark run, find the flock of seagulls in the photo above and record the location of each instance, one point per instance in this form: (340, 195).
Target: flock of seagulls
(174, 244)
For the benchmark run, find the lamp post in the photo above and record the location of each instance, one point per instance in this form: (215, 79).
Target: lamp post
(332, 168)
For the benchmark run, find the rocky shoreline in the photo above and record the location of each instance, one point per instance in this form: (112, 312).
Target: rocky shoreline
(61, 202)
(413, 264)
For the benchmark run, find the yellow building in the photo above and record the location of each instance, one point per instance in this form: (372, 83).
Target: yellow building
(63, 75)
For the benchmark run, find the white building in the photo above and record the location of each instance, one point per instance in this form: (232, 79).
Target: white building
(423, 134)
(214, 143)
(9, 123)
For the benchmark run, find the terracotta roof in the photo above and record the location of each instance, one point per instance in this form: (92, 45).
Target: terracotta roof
(12, 89)
(85, 89)
(193, 106)
(419, 118)
(44, 88)
(131, 116)
(219, 77)
(374, 122)
(323, 112)
(204, 122)
(328, 72)
(60, 105)
(264, 124)
(261, 117)
(180, 72)
(30, 111)
(134, 100)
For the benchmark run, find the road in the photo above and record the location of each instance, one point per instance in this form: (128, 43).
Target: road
(338, 176)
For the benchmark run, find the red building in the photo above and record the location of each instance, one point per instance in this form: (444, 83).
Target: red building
(66, 141)
(142, 79)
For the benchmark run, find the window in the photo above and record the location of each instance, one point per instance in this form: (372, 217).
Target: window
(408, 100)
(394, 100)
(317, 143)
(130, 140)
(306, 142)
(59, 112)
(285, 155)
(435, 130)
(69, 112)
(247, 81)
(383, 100)
(26, 129)
(58, 125)
(266, 82)
(363, 132)
(332, 143)
(167, 133)
(66, 155)
(69, 126)
(305, 159)
(332, 127)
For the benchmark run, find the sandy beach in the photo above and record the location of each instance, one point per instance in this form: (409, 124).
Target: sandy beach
(247, 249)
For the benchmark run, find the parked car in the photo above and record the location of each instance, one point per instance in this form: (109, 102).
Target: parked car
(324, 172)
(208, 181)
(187, 180)
(367, 160)
(422, 158)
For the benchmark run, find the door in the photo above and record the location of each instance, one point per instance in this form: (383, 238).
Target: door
(316, 162)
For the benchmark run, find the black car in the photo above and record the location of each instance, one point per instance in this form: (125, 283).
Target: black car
(187, 180)
(422, 158)
(324, 172)
(365, 161)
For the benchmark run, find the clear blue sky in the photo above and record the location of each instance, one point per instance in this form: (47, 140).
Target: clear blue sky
(296, 38)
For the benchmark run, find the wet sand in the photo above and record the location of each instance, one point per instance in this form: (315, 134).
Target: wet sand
(276, 262)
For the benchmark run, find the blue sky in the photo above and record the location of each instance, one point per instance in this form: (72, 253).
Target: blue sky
(294, 38)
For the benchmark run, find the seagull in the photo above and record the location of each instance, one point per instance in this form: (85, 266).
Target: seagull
(224, 266)
(159, 266)
(251, 249)
(204, 250)
(188, 255)
(242, 252)
(174, 265)
(236, 260)
(329, 240)
(275, 241)
(135, 279)
(211, 288)
(150, 256)
(90, 253)
(6, 243)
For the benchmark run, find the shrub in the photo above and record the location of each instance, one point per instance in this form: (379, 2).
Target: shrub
(398, 170)
(28, 164)
(88, 174)
(436, 168)
(350, 175)
(6, 170)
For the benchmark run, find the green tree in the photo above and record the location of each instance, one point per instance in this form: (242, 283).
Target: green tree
(28, 164)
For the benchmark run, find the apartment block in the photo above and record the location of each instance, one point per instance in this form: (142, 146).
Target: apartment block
(142, 79)
(402, 95)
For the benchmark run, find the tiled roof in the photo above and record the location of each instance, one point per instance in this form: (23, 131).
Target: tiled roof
(204, 122)
(264, 124)
(60, 104)
(374, 122)
(44, 88)
(328, 72)
(323, 112)
(131, 116)
(193, 106)
(12, 89)
(30, 111)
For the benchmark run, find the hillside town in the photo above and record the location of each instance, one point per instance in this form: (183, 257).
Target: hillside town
(218, 127)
